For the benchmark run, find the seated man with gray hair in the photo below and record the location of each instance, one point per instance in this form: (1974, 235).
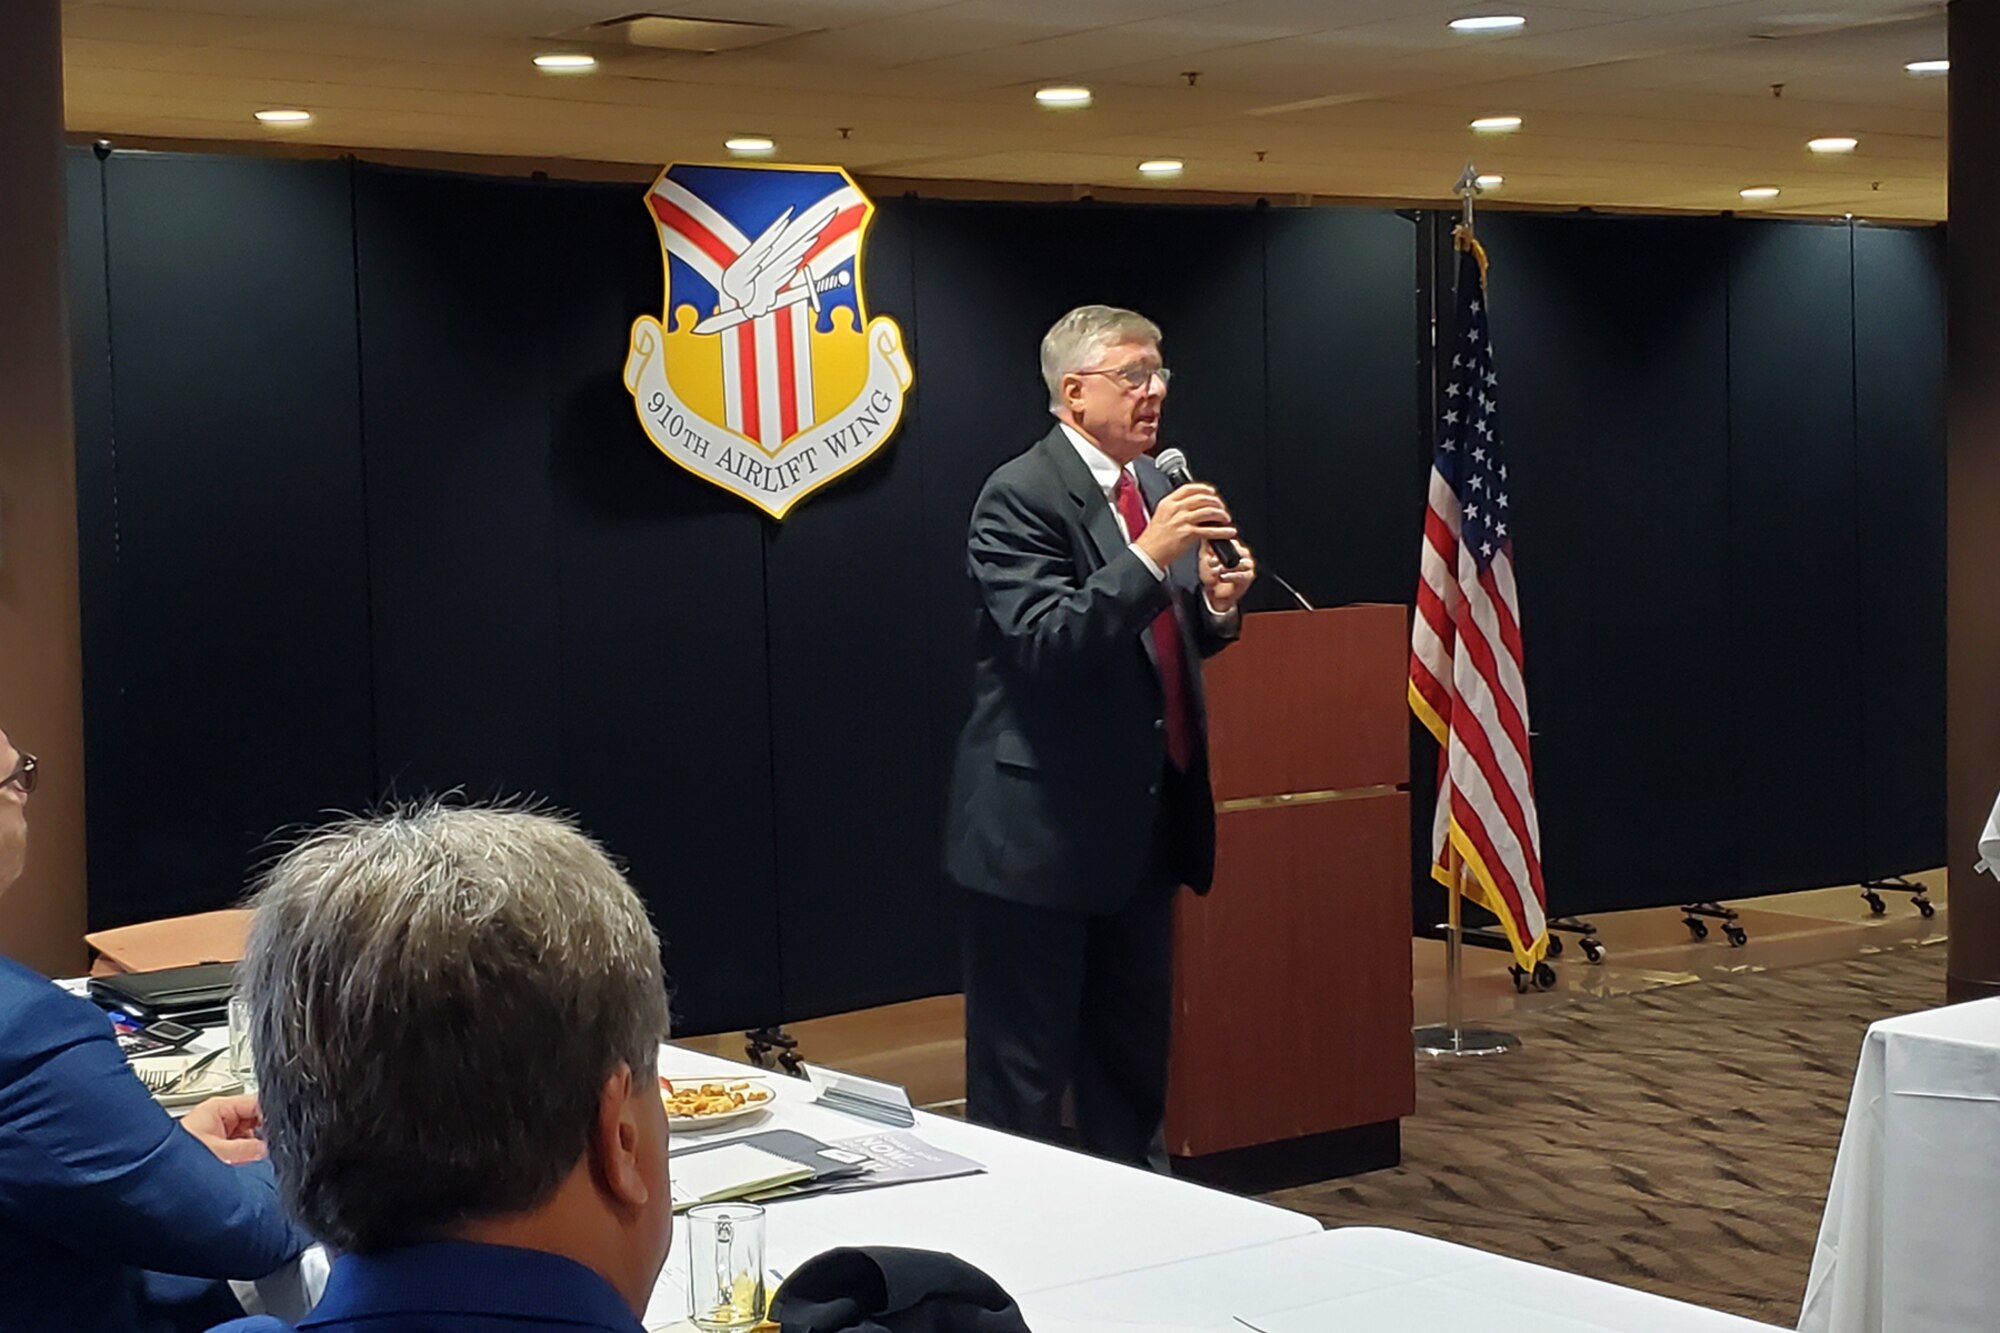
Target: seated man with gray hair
(457, 1015)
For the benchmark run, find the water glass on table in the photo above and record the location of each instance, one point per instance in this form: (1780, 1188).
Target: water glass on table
(240, 1062)
(726, 1266)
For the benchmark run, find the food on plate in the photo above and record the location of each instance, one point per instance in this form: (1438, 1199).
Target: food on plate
(691, 1101)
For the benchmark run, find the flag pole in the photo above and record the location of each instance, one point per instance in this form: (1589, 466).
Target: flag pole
(1454, 1038)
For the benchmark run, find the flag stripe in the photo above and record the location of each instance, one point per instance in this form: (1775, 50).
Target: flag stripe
(847, 222)
(1491, 705)
(732, 381)
(768, 434)
(678, 222)
(786, 362)
(1503, 896)
(749, 416)
(802, 366)
(1478, 772)
(707, 215)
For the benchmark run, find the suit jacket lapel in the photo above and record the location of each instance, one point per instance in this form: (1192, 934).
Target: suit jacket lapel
(1093, 510)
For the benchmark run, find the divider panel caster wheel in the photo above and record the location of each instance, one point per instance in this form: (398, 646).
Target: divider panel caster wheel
(1593, 950)
(1738, 937)
(1696, 927)
(1555, 946)
(1545, 977)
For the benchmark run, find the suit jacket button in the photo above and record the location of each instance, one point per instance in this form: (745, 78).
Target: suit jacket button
(1152, 789)
(1159, 724)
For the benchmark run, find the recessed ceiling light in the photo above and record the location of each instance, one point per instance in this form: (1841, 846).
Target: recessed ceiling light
(1833, 144)
(1066, 96)
(1161, 166)
(285, 116)
(1491, 182)
(1497, 124)
(1489, 23)
(562, 62)
(751, 145)
(1760, 192)
(1924, 67)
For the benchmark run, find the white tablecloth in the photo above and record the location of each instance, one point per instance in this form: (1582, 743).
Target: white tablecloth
(1361, 1279)
(1039, 1217)
(1910, 1242)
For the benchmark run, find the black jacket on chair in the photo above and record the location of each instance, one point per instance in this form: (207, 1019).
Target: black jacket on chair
(1059, 768)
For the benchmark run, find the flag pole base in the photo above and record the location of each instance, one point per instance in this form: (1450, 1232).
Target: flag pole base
(1444, 1042)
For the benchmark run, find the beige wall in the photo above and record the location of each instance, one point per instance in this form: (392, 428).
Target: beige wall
(41, 703)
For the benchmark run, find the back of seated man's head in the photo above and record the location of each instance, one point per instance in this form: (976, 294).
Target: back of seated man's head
(457, 1015)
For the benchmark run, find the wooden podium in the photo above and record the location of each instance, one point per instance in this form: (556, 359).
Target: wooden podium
(1291, 1043)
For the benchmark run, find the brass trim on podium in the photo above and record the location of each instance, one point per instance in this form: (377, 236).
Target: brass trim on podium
(1304, 798)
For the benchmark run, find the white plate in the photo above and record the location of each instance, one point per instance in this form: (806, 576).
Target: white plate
(718, 1118)
(742, 1112)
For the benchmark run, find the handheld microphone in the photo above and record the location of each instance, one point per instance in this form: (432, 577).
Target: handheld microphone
(1174, 463)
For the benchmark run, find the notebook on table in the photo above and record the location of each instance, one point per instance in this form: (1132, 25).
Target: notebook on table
(729, 1171)
(820, 1164)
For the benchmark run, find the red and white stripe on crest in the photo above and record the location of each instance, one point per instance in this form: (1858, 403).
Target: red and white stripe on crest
(1467, 689)
(767, 379)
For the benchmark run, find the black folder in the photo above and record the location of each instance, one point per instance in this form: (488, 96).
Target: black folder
(198, 994)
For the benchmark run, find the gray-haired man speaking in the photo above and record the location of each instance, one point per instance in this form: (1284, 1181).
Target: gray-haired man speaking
(457, 1016)
(1080, 800)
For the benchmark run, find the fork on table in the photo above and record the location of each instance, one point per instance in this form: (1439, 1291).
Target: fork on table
(161, 1082)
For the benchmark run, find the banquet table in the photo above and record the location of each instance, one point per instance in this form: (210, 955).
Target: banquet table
(1369, 1278)
(1912, 1220)
(1087, 1246)
(1037, 1217)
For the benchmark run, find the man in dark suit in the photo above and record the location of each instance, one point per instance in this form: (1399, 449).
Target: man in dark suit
(1080, 798)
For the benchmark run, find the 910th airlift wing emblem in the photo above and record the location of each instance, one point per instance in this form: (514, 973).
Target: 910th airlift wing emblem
(764, 373)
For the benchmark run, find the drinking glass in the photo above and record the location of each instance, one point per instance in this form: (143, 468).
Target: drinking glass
(725, 1266)
(240, 1062)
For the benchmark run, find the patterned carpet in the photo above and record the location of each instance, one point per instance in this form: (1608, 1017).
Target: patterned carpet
(1677, 1140)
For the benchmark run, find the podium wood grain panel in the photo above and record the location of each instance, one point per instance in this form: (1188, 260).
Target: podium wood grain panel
(1311, 701)
(1292, 978)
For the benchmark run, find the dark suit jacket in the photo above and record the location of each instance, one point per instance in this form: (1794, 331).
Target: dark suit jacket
(1058, 776)
(457, 1287)
(97, 1184)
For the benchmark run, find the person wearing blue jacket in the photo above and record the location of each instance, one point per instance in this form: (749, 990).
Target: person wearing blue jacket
(457, 1015)
(113, 1218)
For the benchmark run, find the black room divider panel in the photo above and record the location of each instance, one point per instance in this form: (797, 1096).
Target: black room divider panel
(1611, 341)
(236, 700)
(1793, 632)
(365, 513)
(1899, 432)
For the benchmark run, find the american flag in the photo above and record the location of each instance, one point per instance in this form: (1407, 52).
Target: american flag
(1466, 685)
(707, 218)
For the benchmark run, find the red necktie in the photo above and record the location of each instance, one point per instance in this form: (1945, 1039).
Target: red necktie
(1166, 639)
